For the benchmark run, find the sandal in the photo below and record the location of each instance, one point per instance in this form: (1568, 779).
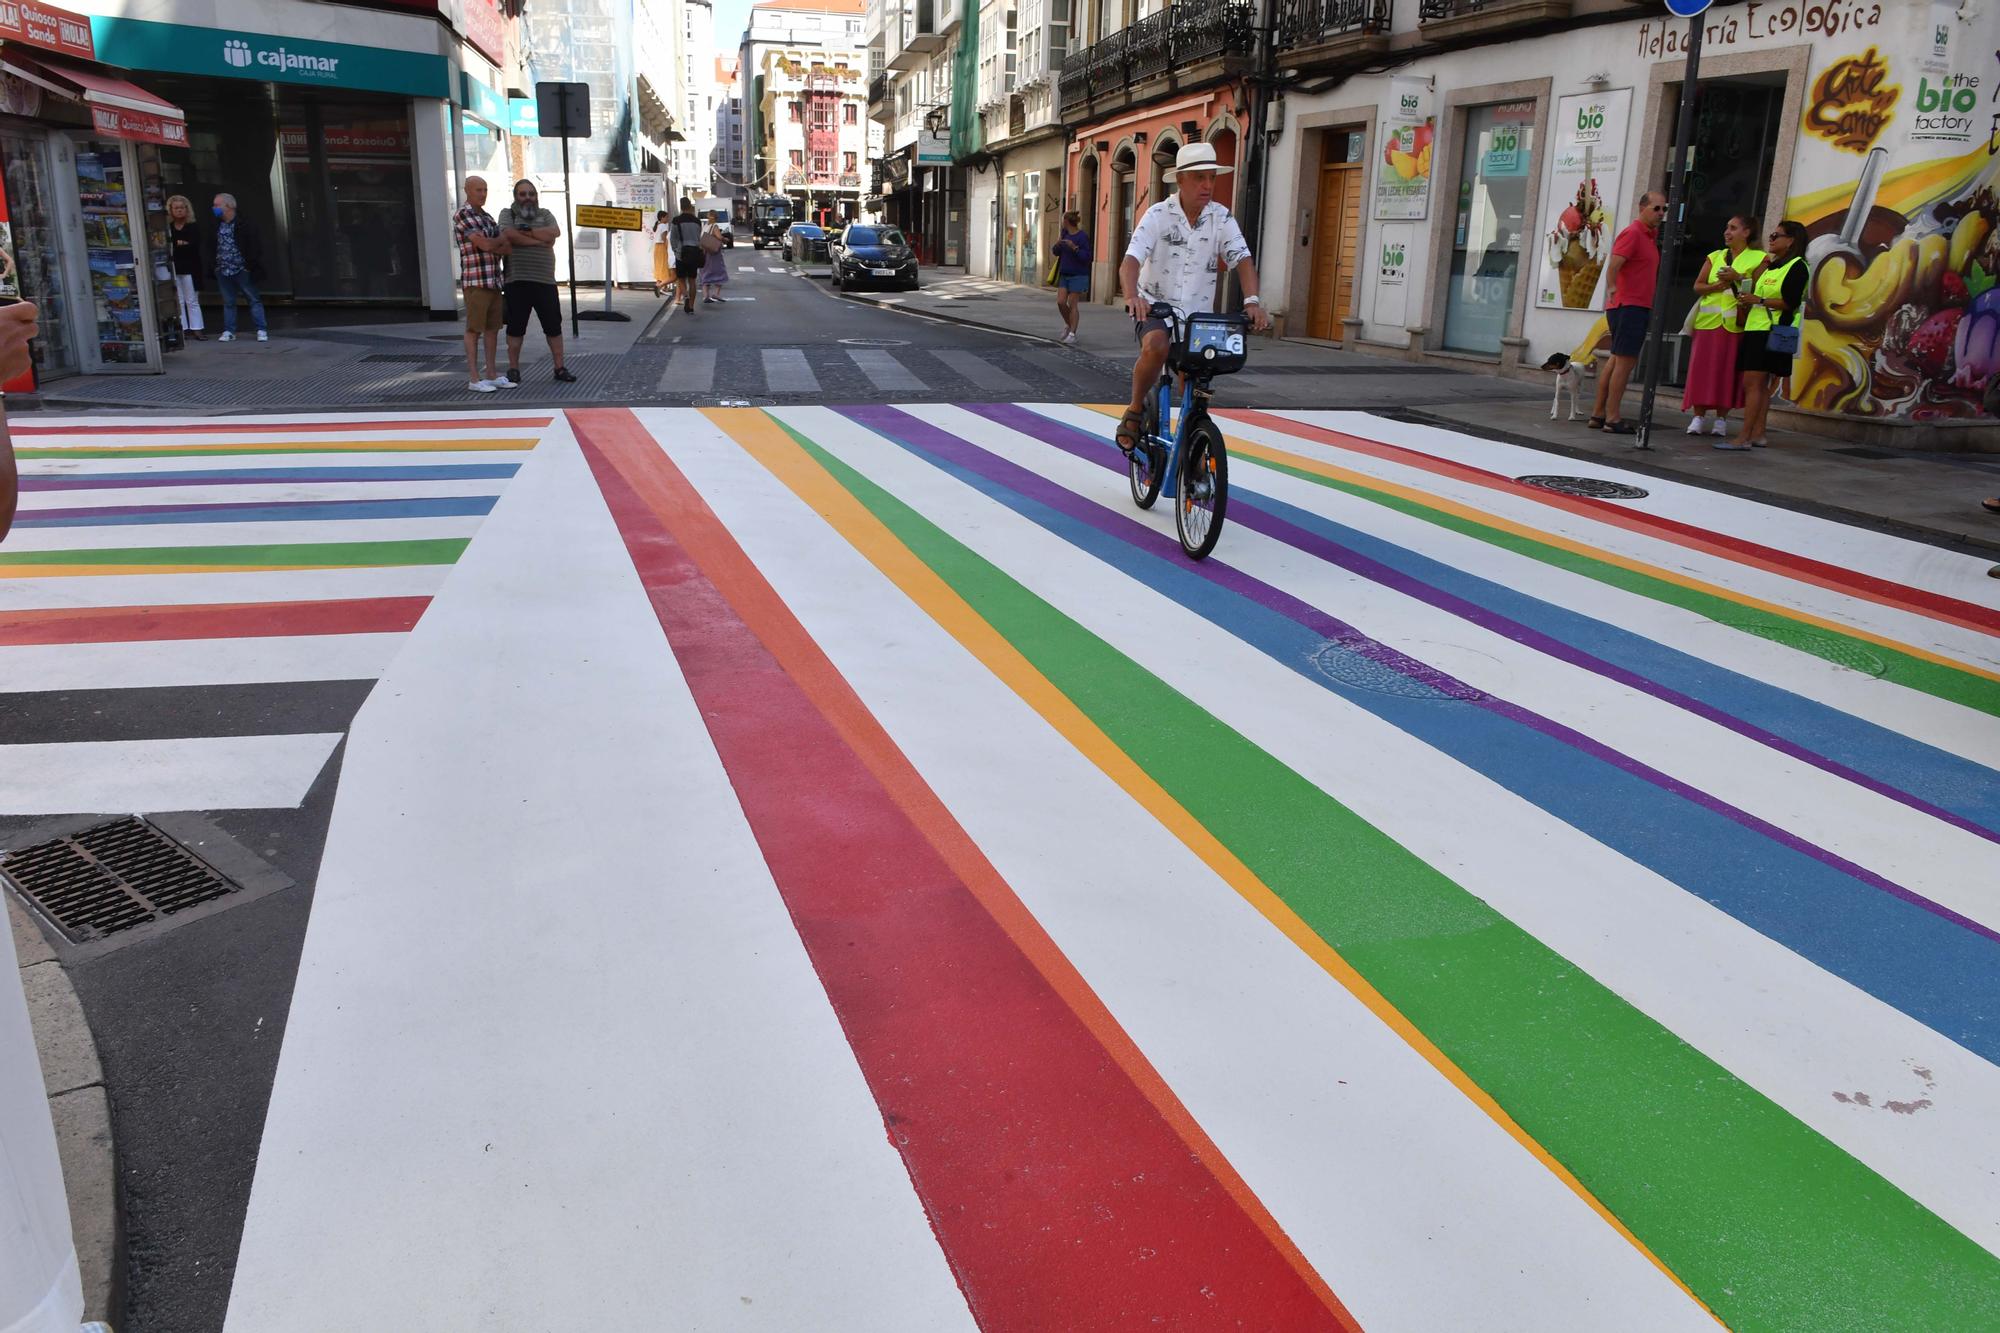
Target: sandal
(1619, 428)
(1128, 430)
(1595, 423)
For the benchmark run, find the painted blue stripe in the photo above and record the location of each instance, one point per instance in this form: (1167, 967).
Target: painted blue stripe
(84, 481)
(297, 511)
(1899, 767)
(1940, 973)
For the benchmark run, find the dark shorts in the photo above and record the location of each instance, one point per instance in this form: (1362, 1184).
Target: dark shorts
(1075, 282)
(1628, 328)
(1754, 355)
(1140, 328)
(688, 263)
(533, 298)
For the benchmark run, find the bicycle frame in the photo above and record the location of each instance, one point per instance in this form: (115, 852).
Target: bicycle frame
(1171, 441)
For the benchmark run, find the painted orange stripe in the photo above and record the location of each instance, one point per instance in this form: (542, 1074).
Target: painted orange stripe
(1853, 583)
(663, 488)
(215, 620)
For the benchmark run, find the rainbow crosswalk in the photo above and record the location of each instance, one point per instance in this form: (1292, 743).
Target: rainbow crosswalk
(849, 871)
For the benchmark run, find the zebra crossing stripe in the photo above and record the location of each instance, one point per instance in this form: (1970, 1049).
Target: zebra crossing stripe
(884, 371)
(691, 370)
(786, 371)
(978, 370)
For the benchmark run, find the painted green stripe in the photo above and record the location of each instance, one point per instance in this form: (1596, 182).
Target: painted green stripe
(1911, 672)
(1769, 1223)
(432, 551)
(147, 451)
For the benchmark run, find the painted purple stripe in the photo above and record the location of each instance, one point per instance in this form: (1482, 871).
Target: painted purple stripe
(1251, 515)
(897, 424)
(88, 512)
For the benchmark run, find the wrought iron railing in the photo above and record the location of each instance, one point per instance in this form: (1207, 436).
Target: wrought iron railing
(1149, 44)
(1171, 39)
(878, 89)
(1203, 32)
(1073, 86)
(1430, 11)
(1311, 22)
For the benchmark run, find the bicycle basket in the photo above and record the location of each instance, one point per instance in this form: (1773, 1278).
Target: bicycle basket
(1211, 345)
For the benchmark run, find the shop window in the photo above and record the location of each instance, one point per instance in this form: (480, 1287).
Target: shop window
(351, 202)
(1033, 270)
(1496, 165)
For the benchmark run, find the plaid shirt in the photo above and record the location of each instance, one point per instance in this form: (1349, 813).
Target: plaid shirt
(476, 268)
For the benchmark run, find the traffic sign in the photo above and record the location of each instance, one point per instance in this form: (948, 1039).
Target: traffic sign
(612, 219)
(562, 110)
(1687, 9)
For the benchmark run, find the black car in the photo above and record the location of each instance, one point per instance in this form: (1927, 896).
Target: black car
(807, 242)
(868, 254)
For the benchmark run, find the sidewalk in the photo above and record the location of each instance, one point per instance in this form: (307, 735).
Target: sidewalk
(1932, 497)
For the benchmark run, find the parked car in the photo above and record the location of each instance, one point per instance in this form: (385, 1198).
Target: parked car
(806, 241)
(870, 255)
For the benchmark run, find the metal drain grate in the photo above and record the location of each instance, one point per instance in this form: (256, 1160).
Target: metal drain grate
(1595, 488)
(408, 359)
(110, 878)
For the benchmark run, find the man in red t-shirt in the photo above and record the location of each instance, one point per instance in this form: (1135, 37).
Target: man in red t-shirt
(1629, 280)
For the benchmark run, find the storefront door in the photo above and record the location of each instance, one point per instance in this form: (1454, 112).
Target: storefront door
(37, 246)
(1736, 124)
(1010, 224)
(1494, 170)
(1336, 234)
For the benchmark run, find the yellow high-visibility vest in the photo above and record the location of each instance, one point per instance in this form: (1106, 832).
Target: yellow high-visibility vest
(1717, 310)
(1770, 283)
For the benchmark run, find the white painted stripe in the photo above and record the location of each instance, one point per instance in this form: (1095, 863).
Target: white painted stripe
(786, 371)
(142, 777)
(1783, 1025)
(1942, 862)
(111, 536)
(978, 369)
(102, 666)
(768, 268)
(690, 370)
(284, 585)
(1375, 1166)
(676, 1086)
(268, 493)
(746, 268)
(884, 371)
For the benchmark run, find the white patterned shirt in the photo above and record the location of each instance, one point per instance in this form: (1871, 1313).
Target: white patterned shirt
(1177, 263)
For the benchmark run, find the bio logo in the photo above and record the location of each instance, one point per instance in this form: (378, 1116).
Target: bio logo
(1392, 256)
(1505, 141)
(1590, 118)
(1947, 98)
(1944, 112)
(1410, 101)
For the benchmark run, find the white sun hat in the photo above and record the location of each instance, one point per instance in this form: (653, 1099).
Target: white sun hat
(1197, 157)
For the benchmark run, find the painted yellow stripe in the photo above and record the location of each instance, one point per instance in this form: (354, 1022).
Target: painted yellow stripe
(764, 440)
(291, 445)
(1432, 500)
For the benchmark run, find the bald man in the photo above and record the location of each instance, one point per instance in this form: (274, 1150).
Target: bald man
(480, 246)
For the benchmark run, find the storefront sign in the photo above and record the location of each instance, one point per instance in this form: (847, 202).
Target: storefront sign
(933, 150)
(482, 101)
(1852, 101)
(642, 190)
(393, 145)
(139, 126)
(1586, 184)
(1945, 110)
(1392, 274)
(1936, 57)
(47, 27)
(1403, 180)
(485, 30)
(176, 48)
(522, 116)
(1760, 20)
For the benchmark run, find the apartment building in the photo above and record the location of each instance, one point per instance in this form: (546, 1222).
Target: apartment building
(828, 28)
(698, 96)
(658, 58)
(924, 56)
(1016, 189)
(727, 163)
(816, 129)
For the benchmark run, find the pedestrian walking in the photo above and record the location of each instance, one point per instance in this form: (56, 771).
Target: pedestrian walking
(1630, 280)
(1073, 257)
(234, 252)
(184, 248)
(531, 232)
(1771, 329)
(686, 237)
(481, 249)
(714, 267)
(663, 260)
(1714, 386)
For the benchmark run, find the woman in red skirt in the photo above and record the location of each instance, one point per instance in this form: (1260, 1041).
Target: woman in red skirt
(1714, 388)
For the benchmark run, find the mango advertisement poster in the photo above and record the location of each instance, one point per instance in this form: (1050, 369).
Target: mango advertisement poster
(1903, 308)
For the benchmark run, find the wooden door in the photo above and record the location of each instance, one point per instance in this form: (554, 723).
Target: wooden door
(1336, 234)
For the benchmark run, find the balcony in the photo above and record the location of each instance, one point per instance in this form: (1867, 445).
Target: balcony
(1443, 20)
(920, 35)
(878, 90)
(1314, 34)
(1178, 44)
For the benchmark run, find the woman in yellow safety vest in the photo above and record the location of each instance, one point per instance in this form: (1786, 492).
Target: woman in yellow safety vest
(1714, 385)
(1777, 297)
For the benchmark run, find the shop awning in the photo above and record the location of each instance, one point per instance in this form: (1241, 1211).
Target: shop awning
(120, 109)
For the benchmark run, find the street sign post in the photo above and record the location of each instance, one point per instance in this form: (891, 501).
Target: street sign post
(563, 111)
(613, 220)
(1670, 242)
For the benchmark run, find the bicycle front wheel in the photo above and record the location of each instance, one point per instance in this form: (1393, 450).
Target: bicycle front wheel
(1203, 494)
(1148, 465)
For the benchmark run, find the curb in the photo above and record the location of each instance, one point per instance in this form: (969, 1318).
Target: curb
(80, 1106)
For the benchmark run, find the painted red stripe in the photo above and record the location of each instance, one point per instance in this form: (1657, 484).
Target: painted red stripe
(220, 620)
(287, 427)
(1061, 1196)
(1868, 587)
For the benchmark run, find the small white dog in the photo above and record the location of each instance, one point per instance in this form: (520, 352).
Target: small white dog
(1569, 375)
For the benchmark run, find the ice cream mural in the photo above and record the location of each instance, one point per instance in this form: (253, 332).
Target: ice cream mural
(1903, 311)
(1576, 246)
(1585, 184)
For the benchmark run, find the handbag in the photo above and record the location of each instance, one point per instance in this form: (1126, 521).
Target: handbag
(1055, 271)
(711, 243)
(1783, 340)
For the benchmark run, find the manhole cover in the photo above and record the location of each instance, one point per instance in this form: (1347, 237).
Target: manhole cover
(1387, 671)
(1839, 651)
(735, 402)
(1595, 488)
(110, 878)
(875, 342)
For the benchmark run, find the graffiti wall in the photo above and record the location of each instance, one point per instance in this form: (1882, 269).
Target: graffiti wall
(1896, 179)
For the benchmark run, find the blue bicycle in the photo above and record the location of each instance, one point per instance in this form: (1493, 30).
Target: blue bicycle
(1190, 450)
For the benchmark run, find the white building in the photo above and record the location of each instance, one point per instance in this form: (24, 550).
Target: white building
(697, 68)
(659, 49)
(816, 129)
(797, 25)
(1014, 205)
(727, 162)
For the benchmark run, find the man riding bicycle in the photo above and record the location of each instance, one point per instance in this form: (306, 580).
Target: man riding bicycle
(1176, 251)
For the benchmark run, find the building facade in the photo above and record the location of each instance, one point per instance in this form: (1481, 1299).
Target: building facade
(798, 27)
(927, 53)
(816, 132)
(1016, 188)
(727, 163)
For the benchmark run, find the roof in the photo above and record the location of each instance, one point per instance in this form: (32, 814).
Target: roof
(855, 7)
(725, 69)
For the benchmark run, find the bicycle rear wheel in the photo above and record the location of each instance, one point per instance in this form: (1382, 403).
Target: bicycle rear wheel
(1148, 464)
(1202, 496)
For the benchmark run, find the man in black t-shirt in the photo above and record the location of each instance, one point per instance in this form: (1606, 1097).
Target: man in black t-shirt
(684, 232)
